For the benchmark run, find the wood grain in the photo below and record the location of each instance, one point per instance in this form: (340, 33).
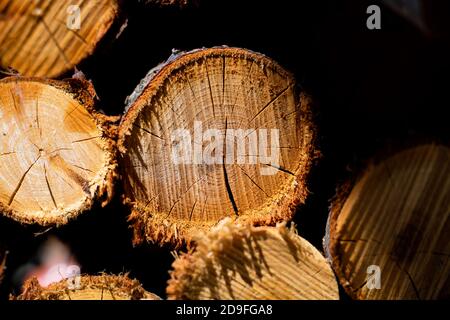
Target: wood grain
(35, 38)
(396, 216)
(56, 154)
(222, 88)
(244, 262)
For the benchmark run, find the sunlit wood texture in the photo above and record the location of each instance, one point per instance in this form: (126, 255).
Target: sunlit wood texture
(56, 152)
(103, 287)
(38, 38)
(396, 216)
(220, 89)
(243, 262)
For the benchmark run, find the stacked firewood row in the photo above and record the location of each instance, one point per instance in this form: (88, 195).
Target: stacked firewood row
(213, 152)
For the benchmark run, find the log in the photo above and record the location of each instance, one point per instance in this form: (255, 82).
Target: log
(43, 38)
(246, 263)
(214, 133)
(387, 234)
(102, 287)
(56, 152)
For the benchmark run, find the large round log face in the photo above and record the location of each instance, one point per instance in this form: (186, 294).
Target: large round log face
(219, 132)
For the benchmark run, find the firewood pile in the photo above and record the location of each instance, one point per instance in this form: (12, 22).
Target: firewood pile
(215, 171)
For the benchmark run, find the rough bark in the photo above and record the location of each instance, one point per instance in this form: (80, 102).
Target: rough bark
(102, 287)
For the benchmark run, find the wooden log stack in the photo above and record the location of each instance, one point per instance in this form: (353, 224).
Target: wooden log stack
(212, 156)
(59, 158)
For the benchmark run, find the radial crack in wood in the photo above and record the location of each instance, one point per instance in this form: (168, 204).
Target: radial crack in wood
(224, 128)
(57, 155)
(244, 262)
(388, 233)
(47, 38)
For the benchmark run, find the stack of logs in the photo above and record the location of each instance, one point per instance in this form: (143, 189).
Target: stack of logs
(214, 152)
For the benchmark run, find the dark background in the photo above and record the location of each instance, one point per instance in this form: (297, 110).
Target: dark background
(371, 88)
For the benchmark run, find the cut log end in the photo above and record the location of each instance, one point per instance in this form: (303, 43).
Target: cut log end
(50, 37)
(215, 133)
(103, 287)
(244, 262)
(388, 232)
(56, 152)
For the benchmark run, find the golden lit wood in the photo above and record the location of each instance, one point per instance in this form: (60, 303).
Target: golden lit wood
(396, 216)
(103, 287)
(243, 262)
(56, 153)
(41, 37)
(219, 89)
